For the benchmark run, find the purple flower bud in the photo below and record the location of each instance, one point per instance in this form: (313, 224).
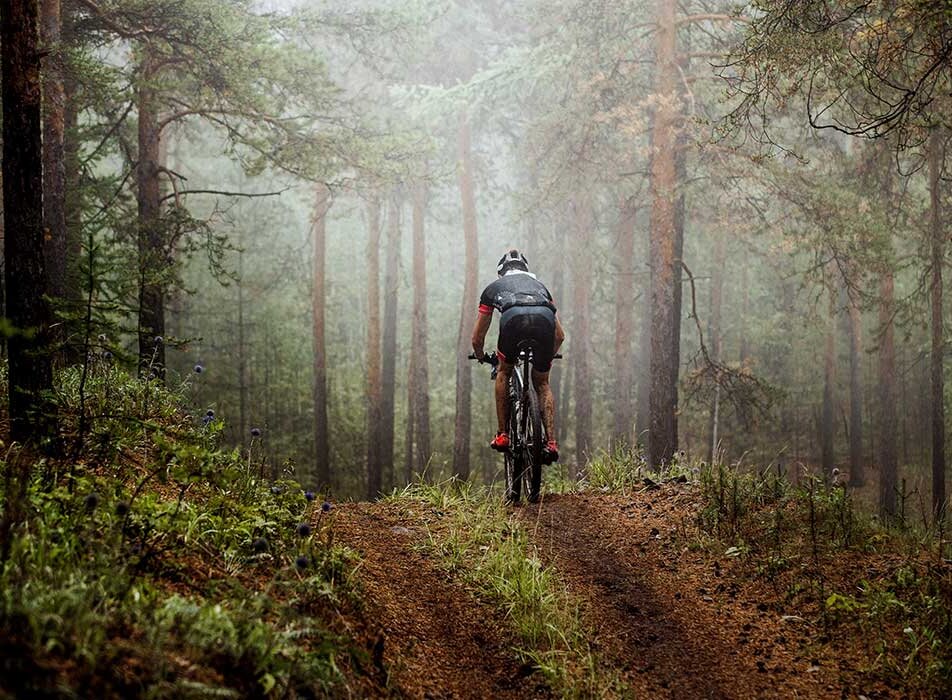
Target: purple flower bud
(199, 369)
(158, 340)
(207, 419)
(210, 413)
(326, 506)
(260, 545)
(309, 495)
(122, 508)
(256, 432)
(91, 501)
(301, 562)
(303, 530)
(107, 355)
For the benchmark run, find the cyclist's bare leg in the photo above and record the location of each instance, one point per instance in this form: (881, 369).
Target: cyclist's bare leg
(502, 389)
(547, 401)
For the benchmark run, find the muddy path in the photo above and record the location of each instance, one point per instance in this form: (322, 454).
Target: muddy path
(665, 619)
(429, 636)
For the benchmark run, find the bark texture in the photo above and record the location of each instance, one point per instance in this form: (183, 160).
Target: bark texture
(54, 160)
(581, 333)
(374, 389)
(624, 409)
(419, 377)
(663, 255)
(857, 471)
(322, 204)
(464, 378)
(826, 430)
(389, 359)
(153, 256)
(937, 230)
(887, 418)
(30, 370)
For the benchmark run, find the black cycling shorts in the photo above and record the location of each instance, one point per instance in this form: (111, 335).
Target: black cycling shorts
(533, 325)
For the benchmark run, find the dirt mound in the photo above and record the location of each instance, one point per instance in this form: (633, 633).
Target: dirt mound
(665, 618)
(427, 634)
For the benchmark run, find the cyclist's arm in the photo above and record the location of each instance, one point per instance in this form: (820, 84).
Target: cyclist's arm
(480, 330)
(559, 335)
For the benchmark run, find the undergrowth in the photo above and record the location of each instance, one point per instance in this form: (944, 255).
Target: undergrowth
(838, 565)
(143, 560)
(479, 539)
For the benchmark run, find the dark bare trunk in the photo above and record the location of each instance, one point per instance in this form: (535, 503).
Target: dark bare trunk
(624, 326)
(319, 304)
(937, 230)
(374, 388)
(888, 456)
(30, 371)
(54, 160)
(464, 379)
(714, 338)
(664, 254)
(419, 379)
(827, 456)
(857, 471)
(153, 256)
(389, 359)
(558, 374)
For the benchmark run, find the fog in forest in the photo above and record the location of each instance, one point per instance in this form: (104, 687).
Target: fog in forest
(330, 185)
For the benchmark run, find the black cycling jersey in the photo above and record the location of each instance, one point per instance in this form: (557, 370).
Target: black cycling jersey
(514, 289)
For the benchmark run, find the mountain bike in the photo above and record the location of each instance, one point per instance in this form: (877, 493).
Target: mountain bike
(527, 437)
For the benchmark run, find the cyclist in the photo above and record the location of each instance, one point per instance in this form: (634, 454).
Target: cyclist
(528, 313)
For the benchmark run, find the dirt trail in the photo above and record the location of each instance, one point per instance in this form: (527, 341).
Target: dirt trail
(663, 618)
(437, 640)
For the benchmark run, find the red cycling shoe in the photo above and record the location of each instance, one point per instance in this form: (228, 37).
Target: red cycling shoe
(500, 443)
(551, 452)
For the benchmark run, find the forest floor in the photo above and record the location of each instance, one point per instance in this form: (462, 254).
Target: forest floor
(662, 618)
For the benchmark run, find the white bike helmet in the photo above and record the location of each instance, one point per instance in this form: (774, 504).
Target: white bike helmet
(513, 258)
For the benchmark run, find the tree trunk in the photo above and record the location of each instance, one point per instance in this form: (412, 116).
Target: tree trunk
(243, 426)
(624, 326)
(888, 457)
(54, 160)
(714, 336)
(827, 456)
(318, 297)
(153, 256)
(857, 472)
(374, 387)
(559, 373)
(662, 430)
(581, 331)
(420, 376)
(937, 229)
(72, 169)
(464, 378)
(30, 370)
(389, 374)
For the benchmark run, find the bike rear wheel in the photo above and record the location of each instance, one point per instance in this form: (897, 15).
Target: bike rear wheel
(532, 436)
(514, 455)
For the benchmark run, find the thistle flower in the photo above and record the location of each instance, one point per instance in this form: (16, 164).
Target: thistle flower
(260, 545)
(326, 506)
(303, 530)
(207, 419)
(210, 413)
(158, 340)
(103, 338)
(107, 355)
(301, 562)
(91, 501)
(199, 369)
(256, 432)
(309, 495)
(122, 508)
